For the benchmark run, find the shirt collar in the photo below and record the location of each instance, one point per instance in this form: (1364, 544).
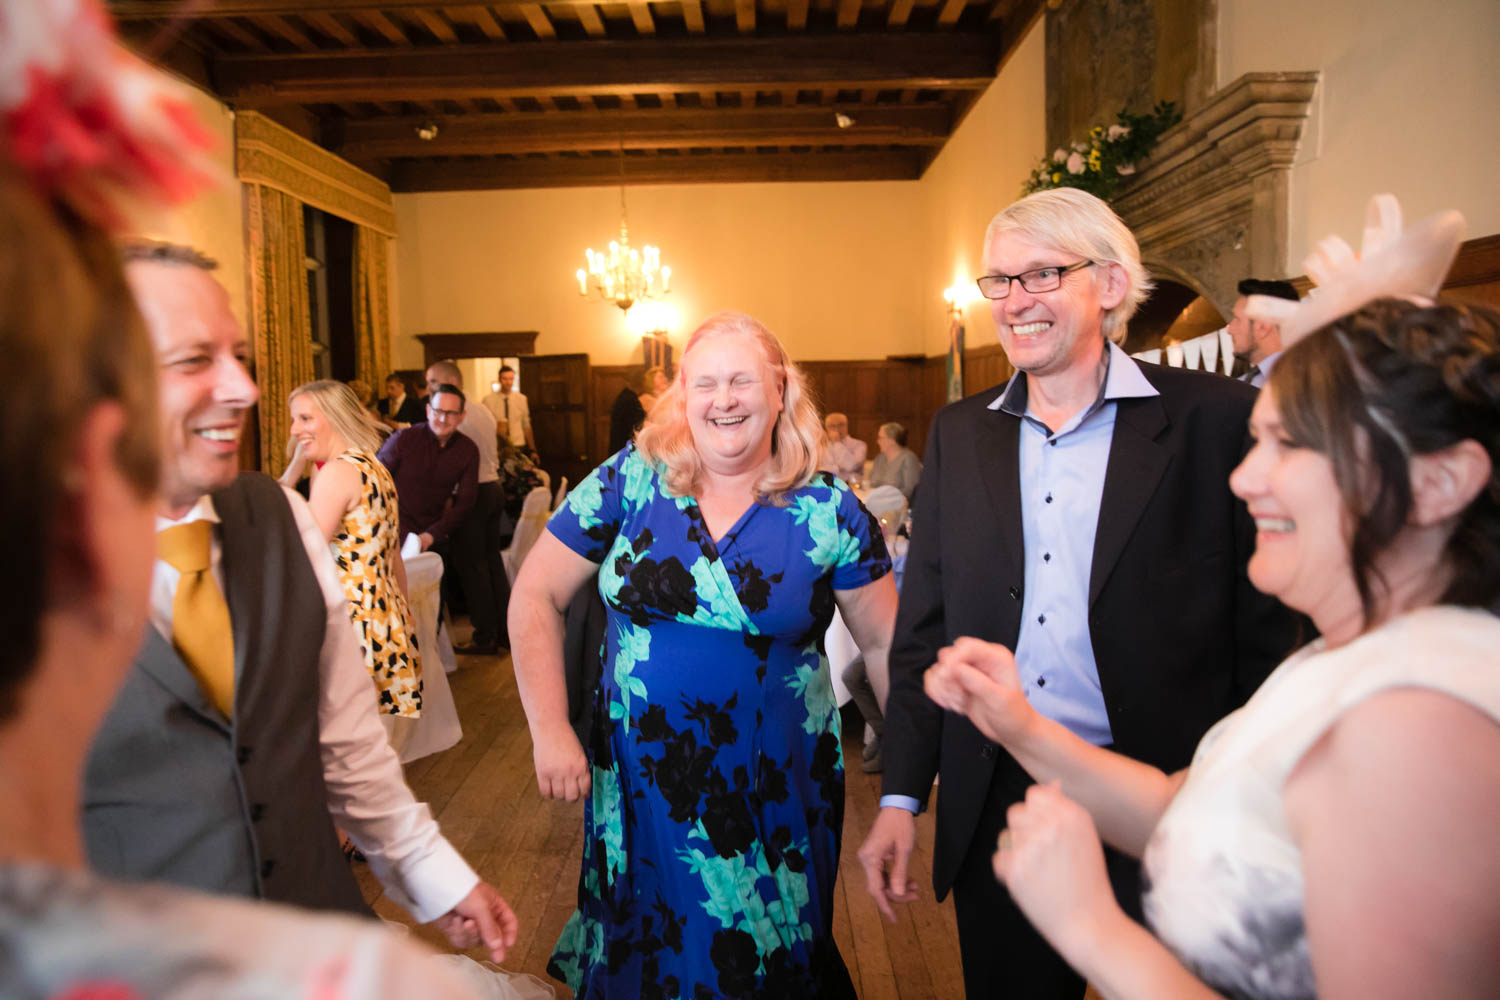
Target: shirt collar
(203, 510)
(1123, 379)
(1267, 362)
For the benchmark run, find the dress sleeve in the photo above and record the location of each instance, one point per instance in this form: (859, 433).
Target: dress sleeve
(862, 557)
(590, 517)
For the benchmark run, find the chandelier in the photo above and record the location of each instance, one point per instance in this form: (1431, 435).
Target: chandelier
(624, 275)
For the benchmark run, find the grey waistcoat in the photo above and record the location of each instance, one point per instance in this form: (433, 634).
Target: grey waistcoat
(174, 792)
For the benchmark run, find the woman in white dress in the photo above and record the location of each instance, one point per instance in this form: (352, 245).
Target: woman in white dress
(1335, 837)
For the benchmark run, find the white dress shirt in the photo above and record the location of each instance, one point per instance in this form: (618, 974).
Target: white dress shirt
(480, 427)
(367, 793)
(511, 406)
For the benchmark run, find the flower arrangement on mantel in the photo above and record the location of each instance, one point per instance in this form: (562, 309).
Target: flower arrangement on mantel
(1100, 164)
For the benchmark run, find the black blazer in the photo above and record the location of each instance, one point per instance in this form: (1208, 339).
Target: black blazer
(1180, 636)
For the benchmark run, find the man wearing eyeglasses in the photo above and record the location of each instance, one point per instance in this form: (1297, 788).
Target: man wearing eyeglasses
(430, 464)
(1079, 515)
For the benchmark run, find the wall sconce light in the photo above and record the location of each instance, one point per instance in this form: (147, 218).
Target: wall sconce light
(959, 296)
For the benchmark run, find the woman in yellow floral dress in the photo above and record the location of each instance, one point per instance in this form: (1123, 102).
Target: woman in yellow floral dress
(354, 501)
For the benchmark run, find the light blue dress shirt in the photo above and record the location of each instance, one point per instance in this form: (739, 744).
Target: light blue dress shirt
(1062, 483)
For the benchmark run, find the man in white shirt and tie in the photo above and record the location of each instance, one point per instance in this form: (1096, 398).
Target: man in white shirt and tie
(511, 411)
(1257, 343)
(248, 727)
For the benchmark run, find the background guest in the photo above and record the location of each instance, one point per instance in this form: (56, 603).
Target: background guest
(432, 465)
(844, 456)
(896, 465)
(655, 384)
(399, 408)
(511, 411)
(714, 757)
(626, 415)
(1354, 801)
(353, 501)
(1257, 342)
(474, 556)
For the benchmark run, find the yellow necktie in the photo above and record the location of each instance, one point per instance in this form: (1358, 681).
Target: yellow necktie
(200, 618)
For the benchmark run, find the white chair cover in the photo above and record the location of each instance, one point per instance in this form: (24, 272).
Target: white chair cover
(889, 507)
(529, 527)
(437, 728)
(561, 494)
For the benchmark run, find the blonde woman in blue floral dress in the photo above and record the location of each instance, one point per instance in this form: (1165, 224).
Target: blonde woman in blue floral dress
(354, 501)
(713, 780)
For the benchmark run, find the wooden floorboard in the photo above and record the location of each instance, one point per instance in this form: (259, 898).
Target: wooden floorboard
(483, 792)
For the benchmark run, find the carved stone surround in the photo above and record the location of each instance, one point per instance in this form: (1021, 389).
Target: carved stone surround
(1212, 204)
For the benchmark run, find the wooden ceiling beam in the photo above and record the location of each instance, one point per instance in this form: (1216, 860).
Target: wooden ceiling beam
(713, 168)
(640, 15)
(848, 14)
(539, 21)
(900, 12)
(332, 27)
(952, 10)
(692, 16)
(924, 60)
(382, 25)
(680, 128)
(744, 16)
(277, 25)
(433, 21)
(481, 17)
(796, 15)
(589, 20)
(134, 10)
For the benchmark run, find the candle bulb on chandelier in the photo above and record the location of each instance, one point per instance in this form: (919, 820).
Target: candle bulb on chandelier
(583, 282)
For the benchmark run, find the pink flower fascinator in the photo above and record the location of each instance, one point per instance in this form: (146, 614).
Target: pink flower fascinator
(94, 126)
(1391, 263)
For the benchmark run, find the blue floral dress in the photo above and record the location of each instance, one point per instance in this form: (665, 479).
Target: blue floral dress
(713, 829)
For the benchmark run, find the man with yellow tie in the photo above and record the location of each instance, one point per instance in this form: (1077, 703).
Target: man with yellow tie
(248, 727)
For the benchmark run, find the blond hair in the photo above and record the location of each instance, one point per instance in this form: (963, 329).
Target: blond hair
(1075, 222)
(796, 436)
(343, 411)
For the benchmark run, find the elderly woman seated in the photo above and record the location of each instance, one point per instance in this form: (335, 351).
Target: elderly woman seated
(896, 465)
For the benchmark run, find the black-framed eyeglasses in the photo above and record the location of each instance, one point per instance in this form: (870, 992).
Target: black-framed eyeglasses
(1041, 279)
(449, 414)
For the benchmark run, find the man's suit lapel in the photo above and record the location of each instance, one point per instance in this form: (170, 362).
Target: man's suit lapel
(997, 457)
(160, 661)
(1136, 464)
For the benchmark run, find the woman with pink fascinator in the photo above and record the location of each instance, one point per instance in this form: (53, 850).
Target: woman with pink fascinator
(1335, 837)
(89, 137)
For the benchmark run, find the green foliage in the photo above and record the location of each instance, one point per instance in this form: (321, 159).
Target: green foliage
(1101, 161)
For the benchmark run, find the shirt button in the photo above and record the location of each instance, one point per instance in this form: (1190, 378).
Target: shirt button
(1053, 442)
(1046, 557)
(1049, 497)
(987, 751)
(1041, 682)
(1041, 619)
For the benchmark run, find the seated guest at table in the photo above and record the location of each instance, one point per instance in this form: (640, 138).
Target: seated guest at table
(843, 455)
(1335, 837)
(713, 827)
(896, 465)
(353, 501)
(79, 437)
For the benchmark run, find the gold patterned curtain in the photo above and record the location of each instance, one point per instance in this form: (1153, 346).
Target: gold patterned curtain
(281, 172)
(372, 319)
(279, 312)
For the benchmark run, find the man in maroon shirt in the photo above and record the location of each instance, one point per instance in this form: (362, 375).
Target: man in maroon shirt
(432, 464)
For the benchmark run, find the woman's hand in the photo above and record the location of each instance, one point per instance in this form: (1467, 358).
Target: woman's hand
(978, 679)
(562, 768)
(1050, 858)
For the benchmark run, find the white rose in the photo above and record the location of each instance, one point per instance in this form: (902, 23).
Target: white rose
(1125, 169)
(1059, 154)
(1118, 131)
(1075, 163)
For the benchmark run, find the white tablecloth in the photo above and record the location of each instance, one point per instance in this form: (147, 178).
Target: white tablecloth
(437, 728)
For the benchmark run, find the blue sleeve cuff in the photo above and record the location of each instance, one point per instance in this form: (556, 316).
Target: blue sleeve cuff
(906, 802)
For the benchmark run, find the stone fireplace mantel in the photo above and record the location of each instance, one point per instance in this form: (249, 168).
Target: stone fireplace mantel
(1211, 205)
